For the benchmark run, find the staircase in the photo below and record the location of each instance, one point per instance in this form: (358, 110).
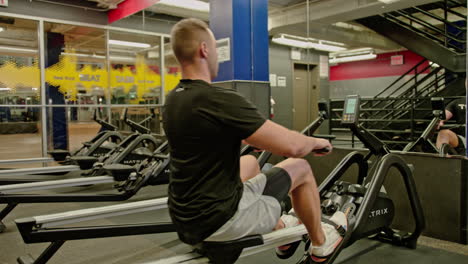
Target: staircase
(400, 112)
(436, 31)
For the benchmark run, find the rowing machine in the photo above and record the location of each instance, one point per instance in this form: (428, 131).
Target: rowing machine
(369, 210)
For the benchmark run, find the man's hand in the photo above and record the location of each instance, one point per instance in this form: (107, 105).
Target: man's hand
(321, 144)
(441, 123)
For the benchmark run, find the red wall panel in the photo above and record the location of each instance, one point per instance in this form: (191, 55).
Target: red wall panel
(127, 8)
(378, 67)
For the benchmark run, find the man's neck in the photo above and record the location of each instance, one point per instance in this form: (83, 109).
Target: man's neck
(196, 72)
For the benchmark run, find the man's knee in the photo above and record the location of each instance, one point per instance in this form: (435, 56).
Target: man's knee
(445, 133)
(251, 159)
(298, 169)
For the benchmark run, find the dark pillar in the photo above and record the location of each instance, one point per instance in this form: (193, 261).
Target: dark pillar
(57, 126)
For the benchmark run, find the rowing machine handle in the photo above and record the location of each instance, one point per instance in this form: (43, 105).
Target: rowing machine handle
(321, 151)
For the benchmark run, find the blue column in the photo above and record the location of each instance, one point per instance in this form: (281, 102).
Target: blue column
(245, 23)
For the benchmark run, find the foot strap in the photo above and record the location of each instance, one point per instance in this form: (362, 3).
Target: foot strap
(341, 230)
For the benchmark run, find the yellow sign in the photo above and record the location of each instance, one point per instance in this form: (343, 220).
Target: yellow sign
(68, 77)
(13, 76)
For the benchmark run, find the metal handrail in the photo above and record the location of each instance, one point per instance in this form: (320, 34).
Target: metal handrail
(415, 67)
(414, 103)
(431, 36)
(411, 89)
(406, 18)
(430, 26)
(450, 10)
(441, 19)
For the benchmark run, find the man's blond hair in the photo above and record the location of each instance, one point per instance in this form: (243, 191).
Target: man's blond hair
(186, 37)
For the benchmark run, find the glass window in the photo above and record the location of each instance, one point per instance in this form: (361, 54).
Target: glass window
(19, 63)
(172, 74)
(76, 66)
(135, 75)
(20, 133)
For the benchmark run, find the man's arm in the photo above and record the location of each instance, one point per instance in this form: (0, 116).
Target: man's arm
(448, 116)
(282, 141)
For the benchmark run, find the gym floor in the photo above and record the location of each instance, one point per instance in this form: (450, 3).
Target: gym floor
(22, 146)
(145, 248)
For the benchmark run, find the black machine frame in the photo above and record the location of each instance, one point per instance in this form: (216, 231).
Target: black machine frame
(34, 233)
(149, 174)
(424, 143)
(209, 251)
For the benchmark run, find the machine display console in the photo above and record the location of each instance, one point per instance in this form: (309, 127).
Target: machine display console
(351, 110)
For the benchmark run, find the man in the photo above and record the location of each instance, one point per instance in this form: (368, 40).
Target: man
(454, 137)
(215, 195)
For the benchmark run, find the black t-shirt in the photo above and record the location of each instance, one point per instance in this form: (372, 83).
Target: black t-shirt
(458, 108)
(204, 125)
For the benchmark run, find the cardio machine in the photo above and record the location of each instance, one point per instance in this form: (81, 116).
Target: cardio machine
(47, 228)
(131, 150)
(369, 210)
(128, 180)
(106, 140)
(424, 142)
(102, 143)
(143, 168)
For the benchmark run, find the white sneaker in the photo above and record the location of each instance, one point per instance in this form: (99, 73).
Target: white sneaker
(286, 251)
(332, 237)
(290, 220)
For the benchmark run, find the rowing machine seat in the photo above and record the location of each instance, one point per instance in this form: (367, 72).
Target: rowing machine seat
(85, 162)
(227, 252)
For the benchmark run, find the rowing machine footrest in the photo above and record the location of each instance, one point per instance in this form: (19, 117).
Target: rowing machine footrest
(85, 162)
(27, 259)
(227, 252)
(88, 144)
(59, 154)
(120, 172)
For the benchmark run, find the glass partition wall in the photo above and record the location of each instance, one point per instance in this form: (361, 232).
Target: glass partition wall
(20, 89)
(55, 75)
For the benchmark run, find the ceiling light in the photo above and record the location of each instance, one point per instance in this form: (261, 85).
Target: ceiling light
(5, 89)
(326, 47)
(129, 44)
(20, 50)
(388, 1)
(2, 29)
(353, 58)
(352, 52)
(84, 55)
(292, 42)
(308, 43)
(187, 4)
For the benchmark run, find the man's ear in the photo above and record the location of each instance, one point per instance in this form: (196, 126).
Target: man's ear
(204, 50)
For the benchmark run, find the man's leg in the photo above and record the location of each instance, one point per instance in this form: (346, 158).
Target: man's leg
(446, 136)
(305, 197)
(249, 167)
